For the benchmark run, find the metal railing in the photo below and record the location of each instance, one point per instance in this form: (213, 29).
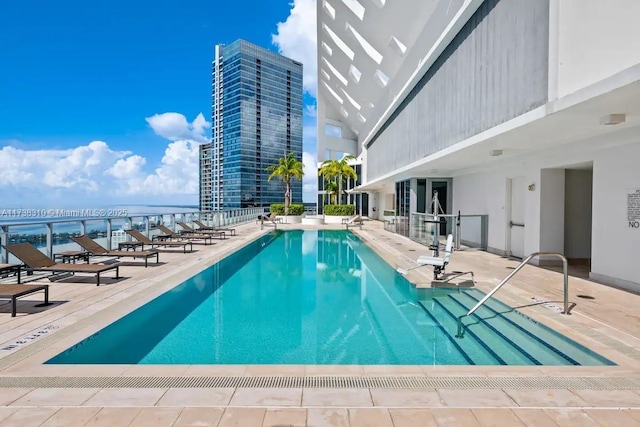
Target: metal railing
(106, 228)
(565, 265)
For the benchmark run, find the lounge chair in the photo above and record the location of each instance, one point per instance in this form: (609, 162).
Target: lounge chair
(173, 236)
(167, 243)
(13, 292)
(354, 220)
(272, 218)
(269, 218)
(10, 268)
(35, 260)
(203, 227)
(96, 249)
(186, 230)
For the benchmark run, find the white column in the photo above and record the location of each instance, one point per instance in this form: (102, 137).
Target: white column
(552, 186)
(49, 240)
(4, 240)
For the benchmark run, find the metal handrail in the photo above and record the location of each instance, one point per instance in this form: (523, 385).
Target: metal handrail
(524, 262)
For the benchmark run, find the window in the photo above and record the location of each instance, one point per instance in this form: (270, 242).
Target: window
(333, 130)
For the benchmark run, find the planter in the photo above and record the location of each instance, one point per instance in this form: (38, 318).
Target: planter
(313, 220)
(335, 219)
(290, 219)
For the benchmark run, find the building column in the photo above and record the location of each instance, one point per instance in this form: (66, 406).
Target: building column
(413, 198)
(551, 219)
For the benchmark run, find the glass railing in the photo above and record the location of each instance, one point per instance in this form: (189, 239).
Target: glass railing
(228, 217)
(390, 224)
(474, 231)
(428, 230)
(469, 231)
(52, 236)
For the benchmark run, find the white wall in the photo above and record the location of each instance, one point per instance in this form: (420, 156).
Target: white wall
(577, 213)
(487, 194)
(375, 211)
(552, 182)
(484, 194)
(596, 39)
(615, 246)
(388, 201)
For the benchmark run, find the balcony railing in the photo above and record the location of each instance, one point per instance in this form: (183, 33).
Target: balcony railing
(53, 235)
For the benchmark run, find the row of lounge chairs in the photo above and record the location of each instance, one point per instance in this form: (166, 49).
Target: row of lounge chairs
(34, 260)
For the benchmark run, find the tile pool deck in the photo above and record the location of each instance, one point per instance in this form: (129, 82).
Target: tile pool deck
(37, 394)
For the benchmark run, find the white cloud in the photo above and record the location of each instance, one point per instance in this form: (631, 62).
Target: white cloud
(178, 172)
(309, 134)
(97, 173)
(296, 39)
(310, 110)
(175, 126)
(310, 179)
(79, 168)
(127, 168)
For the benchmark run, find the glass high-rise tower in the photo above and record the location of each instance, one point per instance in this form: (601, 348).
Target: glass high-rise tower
(257, 118)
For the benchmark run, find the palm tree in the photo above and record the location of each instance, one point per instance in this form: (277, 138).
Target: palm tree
(338, 170)
(287, 169)
(330, 189)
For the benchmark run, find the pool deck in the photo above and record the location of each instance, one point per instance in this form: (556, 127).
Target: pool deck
(263, 395)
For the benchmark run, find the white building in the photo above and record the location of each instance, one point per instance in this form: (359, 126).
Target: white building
(526, 111)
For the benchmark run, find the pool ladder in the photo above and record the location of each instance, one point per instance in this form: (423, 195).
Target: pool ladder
(524, 262)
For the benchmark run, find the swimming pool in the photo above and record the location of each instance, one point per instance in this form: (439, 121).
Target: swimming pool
(319, 297)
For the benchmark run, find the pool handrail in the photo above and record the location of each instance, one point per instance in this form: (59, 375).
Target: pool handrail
(565, 264)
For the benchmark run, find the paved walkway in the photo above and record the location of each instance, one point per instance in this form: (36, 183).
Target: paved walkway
(609, 324)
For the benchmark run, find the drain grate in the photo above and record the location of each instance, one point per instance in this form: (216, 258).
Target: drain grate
(334, 382)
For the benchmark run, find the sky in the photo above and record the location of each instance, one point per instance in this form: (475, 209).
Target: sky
(106, 102)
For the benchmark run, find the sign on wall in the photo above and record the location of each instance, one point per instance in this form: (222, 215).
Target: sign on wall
(633, 208)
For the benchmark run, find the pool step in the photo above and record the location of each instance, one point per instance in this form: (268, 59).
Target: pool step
(503, 350)
(506, 333)
(564, 350)
(473, 350)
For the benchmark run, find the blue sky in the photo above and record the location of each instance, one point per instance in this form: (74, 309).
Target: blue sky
(85, 88)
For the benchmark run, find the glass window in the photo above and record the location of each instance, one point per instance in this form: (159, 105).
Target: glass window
(333, 130)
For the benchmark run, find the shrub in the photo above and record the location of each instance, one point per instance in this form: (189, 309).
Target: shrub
(277, 209)
(339, 210)
(294, 209)
(389, 213)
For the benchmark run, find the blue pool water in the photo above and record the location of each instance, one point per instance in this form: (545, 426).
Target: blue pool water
(319, 297)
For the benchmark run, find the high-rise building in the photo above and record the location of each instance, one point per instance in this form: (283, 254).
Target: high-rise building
(257, 118)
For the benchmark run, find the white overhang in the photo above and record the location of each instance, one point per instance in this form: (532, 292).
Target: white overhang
(572, 123)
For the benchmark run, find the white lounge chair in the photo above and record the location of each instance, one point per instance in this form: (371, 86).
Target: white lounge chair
(354, 220)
